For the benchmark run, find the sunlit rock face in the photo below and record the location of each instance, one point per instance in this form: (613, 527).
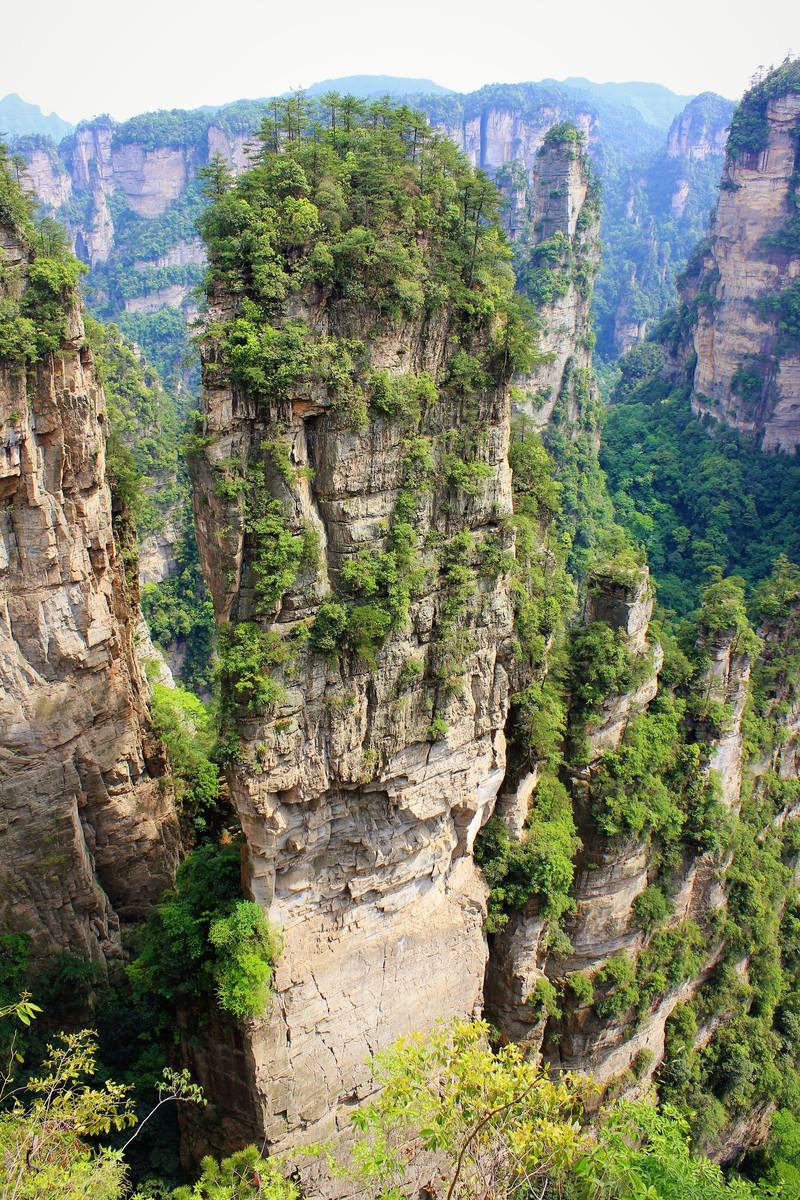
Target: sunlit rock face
(359, 816)
(747, 371)
(90, 838)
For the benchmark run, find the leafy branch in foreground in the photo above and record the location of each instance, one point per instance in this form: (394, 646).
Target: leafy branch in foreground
(46, 1124)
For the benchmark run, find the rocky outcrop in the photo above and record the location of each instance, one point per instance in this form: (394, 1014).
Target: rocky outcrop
(361, 788)
(503, 132)
(553, 218)
(608, 879)
(103, 179)
(743, 334)
(701, 130)
(90, 838)
(358, 826)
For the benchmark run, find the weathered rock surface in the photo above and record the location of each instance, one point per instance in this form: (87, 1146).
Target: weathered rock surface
(607, 881)
(89, 832)
(501, 133)
(557, 206)
(747, 372)
(661, 210)
(700, 131)
(358, 824)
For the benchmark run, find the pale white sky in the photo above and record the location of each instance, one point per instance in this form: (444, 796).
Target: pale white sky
(127, 56)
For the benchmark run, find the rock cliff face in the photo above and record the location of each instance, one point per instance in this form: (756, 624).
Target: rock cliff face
(106, 182)
(361, 790)
(607, 880)
(90, 838)
(501, 133)
(553, 219)
(358, 826)
(744, 286)
(658, 211)
(699, 132)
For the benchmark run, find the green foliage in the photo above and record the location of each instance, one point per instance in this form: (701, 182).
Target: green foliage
(17, 333)
(723, 611)
(162, 336)
(542, 591)
(564, 134)
(366, 630)
(786, 307)
(14, 952)
(245, 947)
(203, 939)
(670, 958)
(581, 986)
(602, 665)
(277, 553)
(146, 475)
(185, 726)
(246, 1175)
(540, 865)
(654, 783)
(651, 908)
(328, 629)
(45, 1147)
(500, 1127)
(643, 1152)
(639, 366)
(339, 207)
(541, 720)
(750, 128)
(179, 612)
(402, 397)
(469, 1104)
(411, 672)
(437, 729)
(777, 605)
(247, 654)
(51, 288)
(544, 999)
(696, 501)
(35, 301)
(586, 517)
(618, 982)
(783, 1154)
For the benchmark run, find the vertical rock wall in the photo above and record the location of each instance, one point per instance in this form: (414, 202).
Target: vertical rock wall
(359, 820)
(553, 217)
(89, 836)
(747, 370)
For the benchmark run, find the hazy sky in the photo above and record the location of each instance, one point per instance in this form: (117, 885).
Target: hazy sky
(97, 56)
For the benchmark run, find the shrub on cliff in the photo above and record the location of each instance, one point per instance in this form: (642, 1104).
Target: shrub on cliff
(750, 126)
(184, 725)
(499, 1126)
(245, 1175)
(539, 865)
(204, 939)
(343, 207)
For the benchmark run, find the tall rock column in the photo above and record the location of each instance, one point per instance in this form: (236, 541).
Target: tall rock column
(89, 835)
(553, 220)
(742, 295)
(608, 878)
(368, 726)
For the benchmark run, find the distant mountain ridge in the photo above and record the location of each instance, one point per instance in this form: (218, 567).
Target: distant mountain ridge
(18, 118)
(365, 86)
(133, 217)
(657, 104)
